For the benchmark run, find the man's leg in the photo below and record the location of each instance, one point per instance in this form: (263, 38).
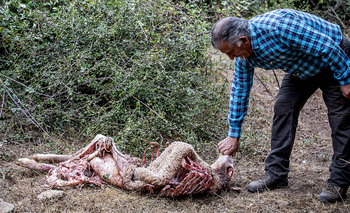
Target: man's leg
(292, 96)
(339, 120)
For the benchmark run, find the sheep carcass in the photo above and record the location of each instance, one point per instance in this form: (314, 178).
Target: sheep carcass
(177, 171)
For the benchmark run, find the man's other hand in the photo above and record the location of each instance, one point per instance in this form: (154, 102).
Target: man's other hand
(345, 90)
(229, 146)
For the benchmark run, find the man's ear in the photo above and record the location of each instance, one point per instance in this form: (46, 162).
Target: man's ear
(239, 43)
(244, 40)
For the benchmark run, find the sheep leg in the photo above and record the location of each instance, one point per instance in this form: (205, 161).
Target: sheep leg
(58, 183)
(51, 158)
(32, 164)
(154, 145)
(96, 143)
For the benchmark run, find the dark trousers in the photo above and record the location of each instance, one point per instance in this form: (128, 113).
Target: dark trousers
(292, 96)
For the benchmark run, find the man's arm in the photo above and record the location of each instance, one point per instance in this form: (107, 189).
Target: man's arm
(239, 99)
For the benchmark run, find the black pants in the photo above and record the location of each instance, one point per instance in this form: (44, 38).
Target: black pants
(291, 98)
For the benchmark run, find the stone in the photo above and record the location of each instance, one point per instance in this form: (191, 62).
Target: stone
(282, 202)
(50, 194)
(6, 207)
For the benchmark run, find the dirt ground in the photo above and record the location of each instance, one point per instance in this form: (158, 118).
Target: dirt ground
(308, 175)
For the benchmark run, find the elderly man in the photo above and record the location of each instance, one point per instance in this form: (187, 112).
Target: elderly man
(314, 54)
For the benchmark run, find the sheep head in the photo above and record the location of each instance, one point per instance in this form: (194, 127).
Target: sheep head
(222, 171)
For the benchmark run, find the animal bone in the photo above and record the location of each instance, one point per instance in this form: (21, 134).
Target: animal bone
(177, 171)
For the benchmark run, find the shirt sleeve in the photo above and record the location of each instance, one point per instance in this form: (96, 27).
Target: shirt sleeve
(295, 34)
(239, 99)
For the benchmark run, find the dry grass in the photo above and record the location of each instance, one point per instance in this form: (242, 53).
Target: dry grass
(308, 175)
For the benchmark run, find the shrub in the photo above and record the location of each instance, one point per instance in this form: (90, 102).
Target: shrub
(333, 10)
(130, 69)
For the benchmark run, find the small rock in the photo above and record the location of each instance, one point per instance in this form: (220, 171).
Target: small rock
(6, 207)
(50, 194)
(282, 202)
(235, 189)
(309, 183)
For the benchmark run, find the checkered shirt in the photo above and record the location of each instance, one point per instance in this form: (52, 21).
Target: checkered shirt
(298, 43)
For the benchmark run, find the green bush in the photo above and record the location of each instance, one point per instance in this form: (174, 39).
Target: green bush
(332, 10)
(130, 69)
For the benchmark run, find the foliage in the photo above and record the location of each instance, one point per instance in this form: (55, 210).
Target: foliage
(335, 11)
(130, 69)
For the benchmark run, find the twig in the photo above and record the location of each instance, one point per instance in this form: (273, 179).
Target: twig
(2, 104)
(338, 4)
(278, 83)
(344, 160)
(337, 17)
(3, 174)
(234, 5)
(11, 79)
(18, 103)
(301, 131)
(313, 4)
(57, 94)
(267, 90)
(313, 146)
(145, 105)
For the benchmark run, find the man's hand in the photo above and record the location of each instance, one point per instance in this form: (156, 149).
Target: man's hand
(345, 90)
(229, 146)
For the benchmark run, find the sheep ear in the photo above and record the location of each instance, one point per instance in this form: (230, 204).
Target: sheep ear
(230, 172)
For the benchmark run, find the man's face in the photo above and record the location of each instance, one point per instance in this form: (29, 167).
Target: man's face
(242, 48)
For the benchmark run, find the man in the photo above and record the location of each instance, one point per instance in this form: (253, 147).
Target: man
(314, 54)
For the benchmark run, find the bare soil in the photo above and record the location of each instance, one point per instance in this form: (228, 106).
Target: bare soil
(308, 174)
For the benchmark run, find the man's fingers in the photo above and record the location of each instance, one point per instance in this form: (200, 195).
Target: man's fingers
(222, 145)
(229, 151)
(228, 146)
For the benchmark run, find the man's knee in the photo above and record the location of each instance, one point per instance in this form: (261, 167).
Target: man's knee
(283, 107)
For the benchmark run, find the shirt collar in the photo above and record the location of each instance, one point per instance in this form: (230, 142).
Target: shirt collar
(253, 35)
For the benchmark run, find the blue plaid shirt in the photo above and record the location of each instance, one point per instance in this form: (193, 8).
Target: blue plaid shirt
(298, 43)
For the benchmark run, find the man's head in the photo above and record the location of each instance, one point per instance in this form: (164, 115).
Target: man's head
(231, 36)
